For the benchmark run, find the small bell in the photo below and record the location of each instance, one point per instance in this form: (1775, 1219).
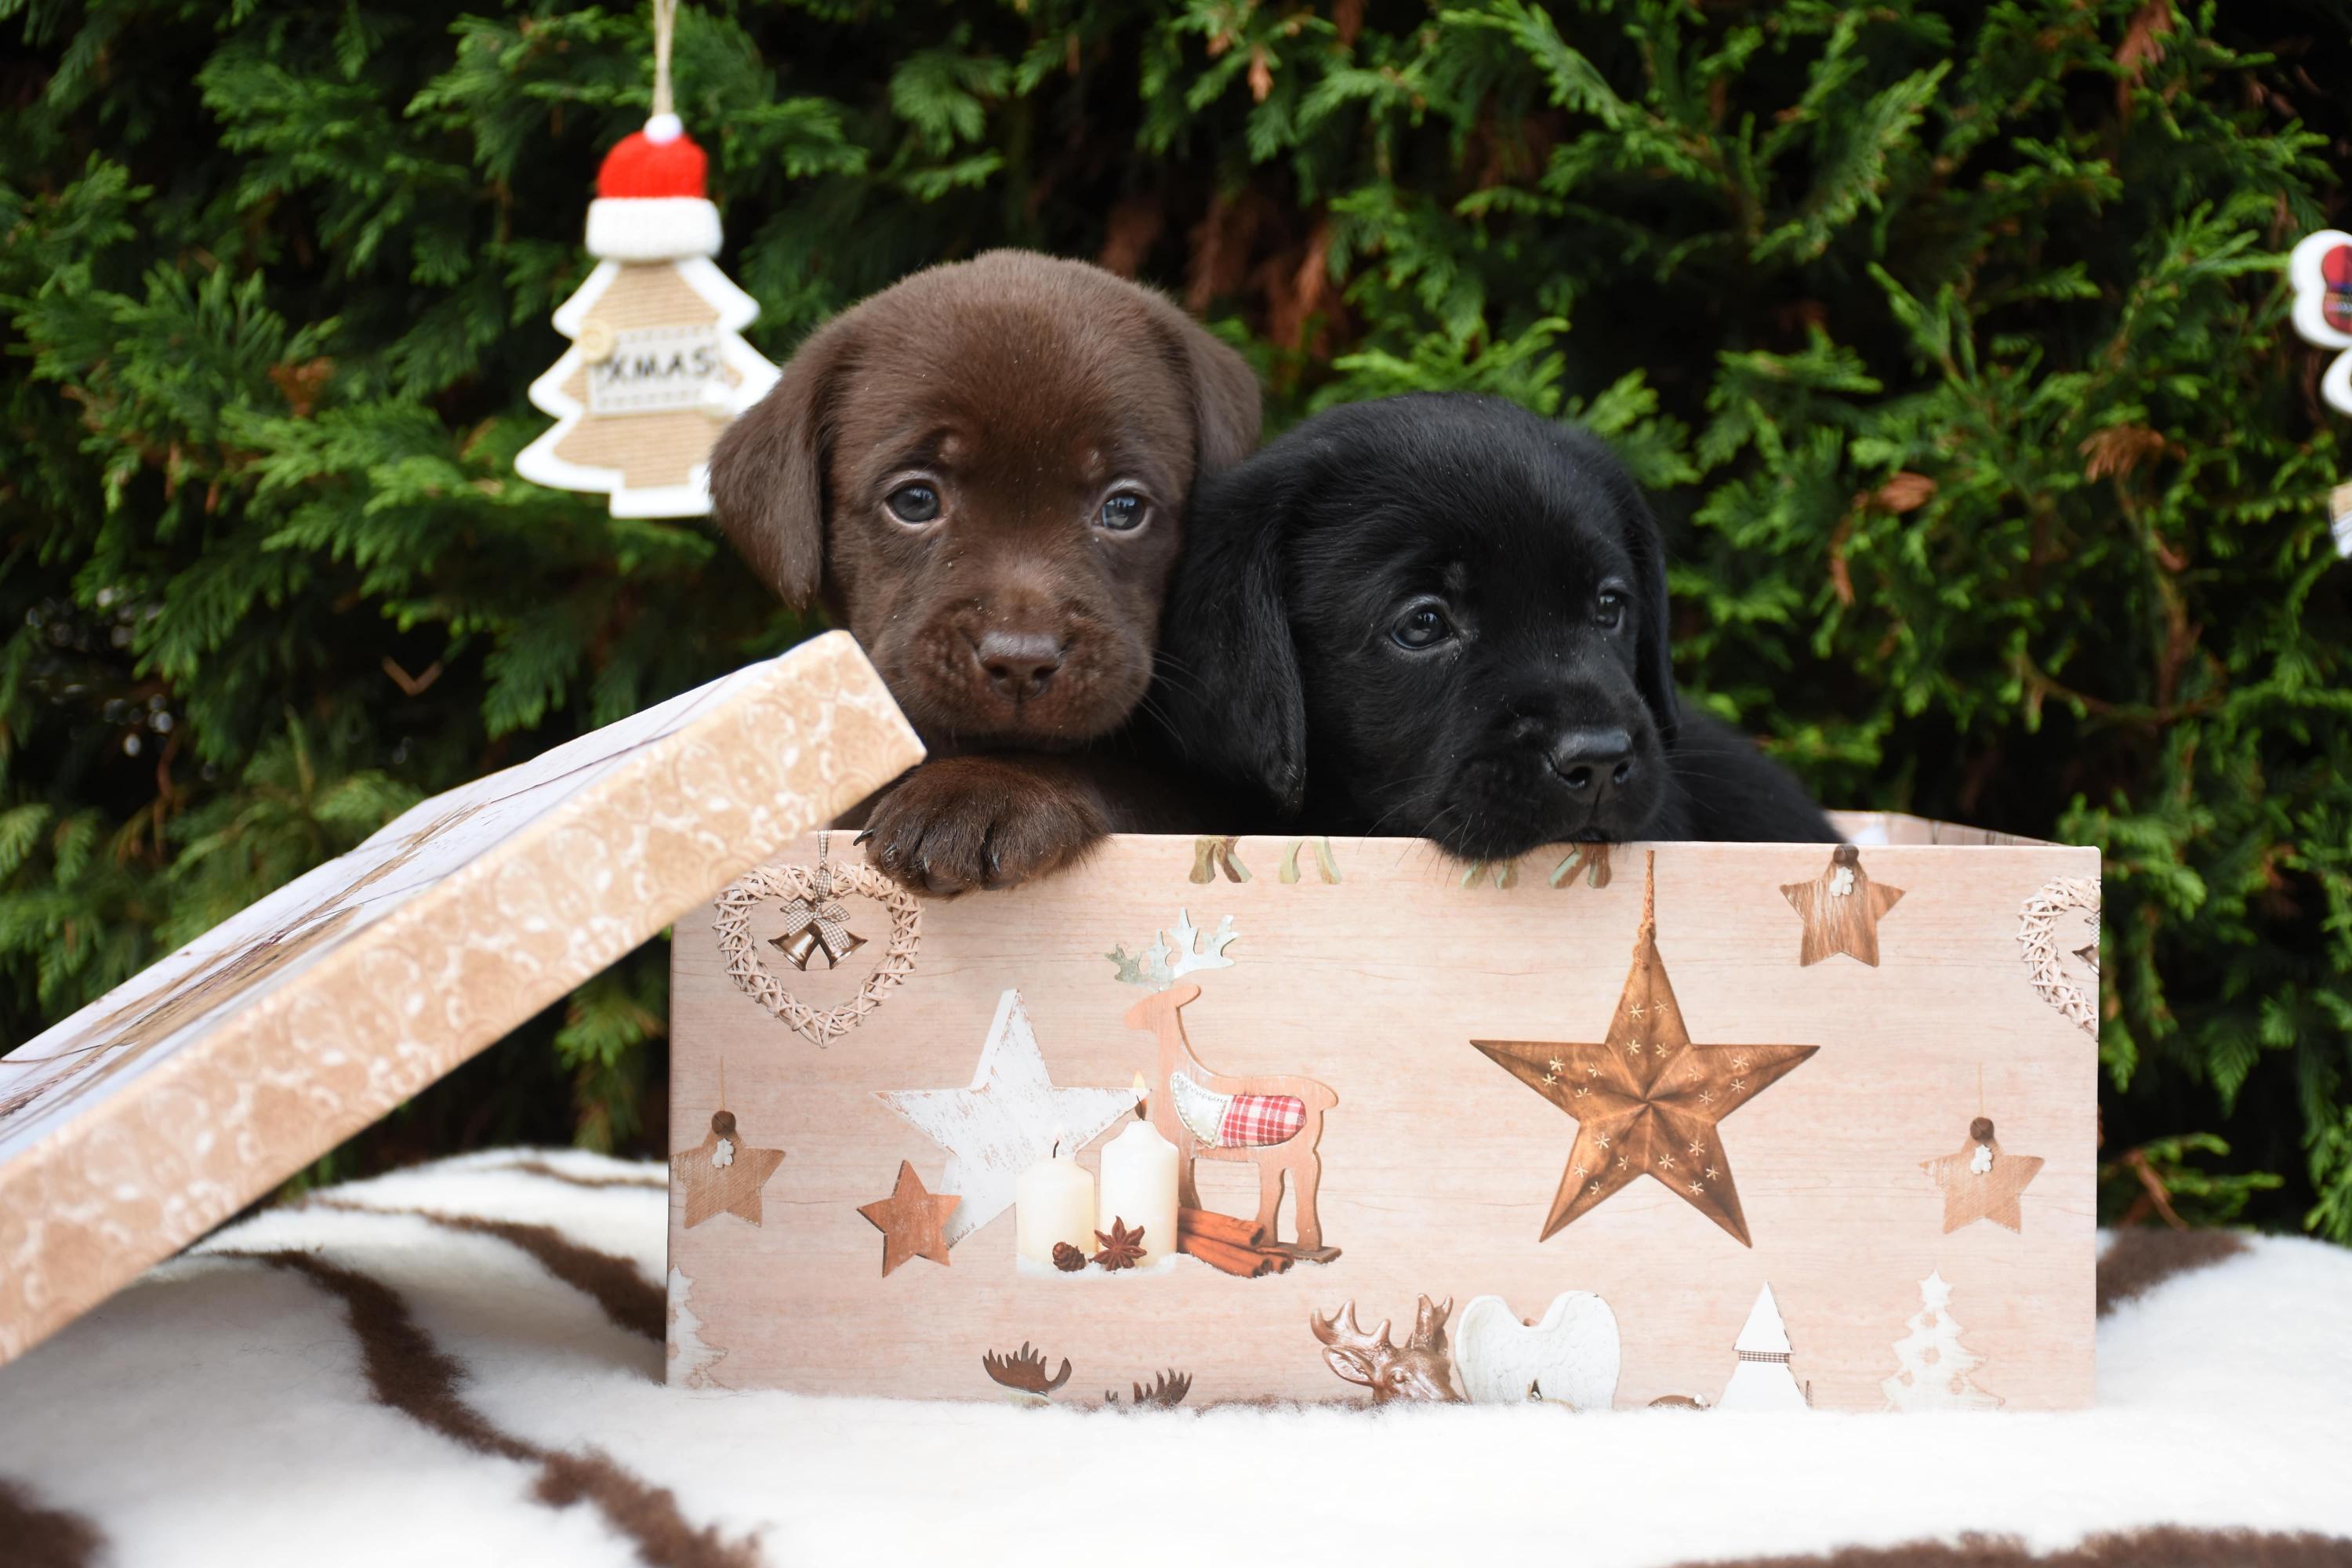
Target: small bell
(808, 941)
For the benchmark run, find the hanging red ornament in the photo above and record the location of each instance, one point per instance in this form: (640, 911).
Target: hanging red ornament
(658, 365)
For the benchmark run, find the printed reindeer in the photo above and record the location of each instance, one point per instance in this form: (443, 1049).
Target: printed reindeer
(1419, 1370)
(1273, 1123)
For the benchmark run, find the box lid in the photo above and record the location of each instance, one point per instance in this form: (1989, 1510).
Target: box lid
(162, 1107)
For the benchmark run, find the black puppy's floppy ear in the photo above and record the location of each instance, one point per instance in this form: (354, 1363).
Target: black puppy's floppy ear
(1224, 390)
(1228, 686)
(768, 470)
(1653, 655)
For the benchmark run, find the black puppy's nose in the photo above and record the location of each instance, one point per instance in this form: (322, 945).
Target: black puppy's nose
(1595, 759)
(1018, 664)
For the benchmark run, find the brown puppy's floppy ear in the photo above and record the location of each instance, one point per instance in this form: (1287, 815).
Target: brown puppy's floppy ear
(768, 470)
(1225, 389)
(1228, 686)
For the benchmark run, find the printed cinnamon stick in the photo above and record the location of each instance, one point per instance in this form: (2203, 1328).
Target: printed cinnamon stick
(1222, 1255)
(1219, 1227)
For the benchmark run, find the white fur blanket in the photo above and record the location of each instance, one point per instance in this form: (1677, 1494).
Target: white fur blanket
(461, 1364)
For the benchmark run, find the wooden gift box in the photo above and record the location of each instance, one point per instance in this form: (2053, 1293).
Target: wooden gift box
(1736, 1125)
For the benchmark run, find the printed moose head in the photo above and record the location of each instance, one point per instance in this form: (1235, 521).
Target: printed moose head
(1419, 1370)
(1023, 1372)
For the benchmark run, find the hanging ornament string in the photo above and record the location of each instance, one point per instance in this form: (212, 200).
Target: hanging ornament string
(665, 23)
(1647, 932)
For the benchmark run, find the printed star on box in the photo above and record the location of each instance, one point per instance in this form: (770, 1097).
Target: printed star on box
(913, 1220)
(1841, 909)
(1644, 1106)
(1979, 1182)
(721, 1177)
(1009, 1119)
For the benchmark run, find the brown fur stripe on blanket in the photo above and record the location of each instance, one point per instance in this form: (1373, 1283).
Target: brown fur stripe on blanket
(613, 1283)
(652, 1180)
(407, 1372)
(2164, 1547)
(2139, 1260)
(32, 1536)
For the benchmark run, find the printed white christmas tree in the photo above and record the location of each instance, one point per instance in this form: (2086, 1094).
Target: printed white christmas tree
(658, 365)
(690, 1359)
(1762, 1380)
(1935, 1366)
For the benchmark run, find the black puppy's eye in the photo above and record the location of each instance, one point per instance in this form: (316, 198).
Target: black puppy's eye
(1424, 625)
(913, 503)
(1124, 512)
(1609, 610)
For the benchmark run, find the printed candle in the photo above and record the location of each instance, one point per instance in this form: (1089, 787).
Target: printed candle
(1053, 1200)
(1138, 1185)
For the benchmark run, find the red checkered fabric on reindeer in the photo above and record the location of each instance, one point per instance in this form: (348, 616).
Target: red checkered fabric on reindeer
(1255, 1121)
(1236, 1121)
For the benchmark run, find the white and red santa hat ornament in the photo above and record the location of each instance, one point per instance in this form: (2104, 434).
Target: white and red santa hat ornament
(652, 204)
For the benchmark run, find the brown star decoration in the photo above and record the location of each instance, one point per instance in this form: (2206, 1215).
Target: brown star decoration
(721, 1175)
(1841, 909)
(1647, 1100)
(913, 1220)
(1980, 1182)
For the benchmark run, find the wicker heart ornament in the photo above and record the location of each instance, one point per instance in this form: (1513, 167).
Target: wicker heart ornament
(817, 927)
(2047, 946)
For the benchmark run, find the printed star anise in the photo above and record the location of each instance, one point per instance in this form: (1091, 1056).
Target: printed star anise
(1122, 1248)
(1068, 1259)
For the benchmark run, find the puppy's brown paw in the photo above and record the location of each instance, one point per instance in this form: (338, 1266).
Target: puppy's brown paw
(962, 822)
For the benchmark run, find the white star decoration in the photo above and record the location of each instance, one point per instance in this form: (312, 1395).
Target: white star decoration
(1006, 1122)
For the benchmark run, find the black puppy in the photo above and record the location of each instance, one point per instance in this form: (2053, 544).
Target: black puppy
(1439, 614)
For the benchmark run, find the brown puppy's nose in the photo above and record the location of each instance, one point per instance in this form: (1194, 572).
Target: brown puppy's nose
(1018, 664)
(1594, 760)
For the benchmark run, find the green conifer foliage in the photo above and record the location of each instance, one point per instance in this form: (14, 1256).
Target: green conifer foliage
(1951, 342)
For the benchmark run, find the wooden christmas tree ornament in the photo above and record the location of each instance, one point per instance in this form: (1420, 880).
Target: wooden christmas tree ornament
(658, 365)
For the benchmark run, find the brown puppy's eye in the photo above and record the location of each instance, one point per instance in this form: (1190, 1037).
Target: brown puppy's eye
(1422, 626)
(1609, 610)
(913, 503)
(1123, 513)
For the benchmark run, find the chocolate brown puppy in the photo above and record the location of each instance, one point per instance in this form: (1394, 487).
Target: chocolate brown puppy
(981, 472)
